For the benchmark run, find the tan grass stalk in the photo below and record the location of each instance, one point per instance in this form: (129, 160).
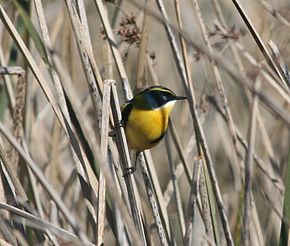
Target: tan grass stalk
(36, 196)
(179, 171)
(12, 174)
(220, 86)
(111, 40)
(17, 104)
(18, 113)
(176, 191)
(281, 90)
(93, 76)
(54, 195)
(256, 222)
(88, 132)
(104, 151)
(279, 61)
(192, 202)
(155, 204)
(275, 13)
(39, 223)
(196, 125)
(237, 77)
(53, 213)
(259, 42)
(62, 103)
(155, 185)
(236, 55)
(270, 174)
(185, 56)
(132, 190)
(248, 168)
(8, 162)
(162, 203)
(140, 81)
(113, 187)
(8, 238)
(183, 43)
(37, 73)
(64, 77)
(180, 151)
(133, 195)
(20, 238)
(208, 213)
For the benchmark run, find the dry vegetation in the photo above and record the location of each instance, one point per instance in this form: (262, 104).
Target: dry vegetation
(220, 175)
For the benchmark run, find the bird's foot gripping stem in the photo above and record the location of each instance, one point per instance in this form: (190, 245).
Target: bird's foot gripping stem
(129, 171)
(119, 124)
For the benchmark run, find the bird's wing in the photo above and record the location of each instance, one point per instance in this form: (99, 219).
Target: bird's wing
(126, 109)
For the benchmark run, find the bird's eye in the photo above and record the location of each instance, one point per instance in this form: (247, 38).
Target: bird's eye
(164, 98)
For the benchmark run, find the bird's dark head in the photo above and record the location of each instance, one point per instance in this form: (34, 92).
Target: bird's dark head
(155, 97)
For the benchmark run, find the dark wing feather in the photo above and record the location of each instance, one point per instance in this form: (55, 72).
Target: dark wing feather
(127, 108)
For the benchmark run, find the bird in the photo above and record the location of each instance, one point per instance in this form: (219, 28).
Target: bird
(145, 118)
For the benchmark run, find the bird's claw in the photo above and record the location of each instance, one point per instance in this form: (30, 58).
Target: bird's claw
(130, 170)
(119, 124)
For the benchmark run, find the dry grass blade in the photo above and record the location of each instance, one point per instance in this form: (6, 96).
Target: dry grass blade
(37, 73)
(276, 181)
(11, 172)
(82, 123)
(132, 191)
(18, 112)
(6, 71)
(36, 222)
(157, 190)
(116, 197)
(226, 65)
(180, 150)
(143, 50)
(208, 211)
(54, 195)
(93, 76)
(7, 236)
(259, 41)
(248, 168)
(176, 191)
(281, 90)
(130, 184)
(267, 6)
(278, 59)
(219, 83)
(155, 206)
(104, 150)
(256, 222)
(188, 237)
(197, 126)
(12, 70)
(183, 43)
(179, 171)
(61, 100)
(111, 39)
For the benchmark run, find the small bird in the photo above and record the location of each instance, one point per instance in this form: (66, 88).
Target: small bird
(145, 118)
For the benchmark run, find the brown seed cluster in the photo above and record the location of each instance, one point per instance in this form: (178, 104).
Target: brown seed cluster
(129, 31)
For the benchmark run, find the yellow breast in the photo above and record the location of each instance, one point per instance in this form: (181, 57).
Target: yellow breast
(145, 128)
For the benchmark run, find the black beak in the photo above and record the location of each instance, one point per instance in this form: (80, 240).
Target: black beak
(180, 98)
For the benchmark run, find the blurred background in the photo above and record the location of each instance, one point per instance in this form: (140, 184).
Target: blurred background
(26, 113)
